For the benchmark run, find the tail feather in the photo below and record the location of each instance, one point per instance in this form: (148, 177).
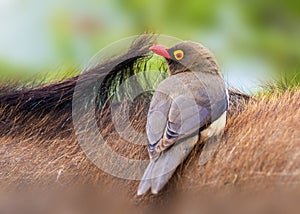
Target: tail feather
(159, 172)
(145, 183)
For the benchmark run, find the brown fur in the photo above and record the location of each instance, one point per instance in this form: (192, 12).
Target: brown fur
(260, 150)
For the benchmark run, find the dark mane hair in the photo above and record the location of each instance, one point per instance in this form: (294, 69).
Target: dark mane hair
(19, 105)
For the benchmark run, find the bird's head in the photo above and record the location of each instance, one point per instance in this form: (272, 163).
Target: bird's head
(188, 56)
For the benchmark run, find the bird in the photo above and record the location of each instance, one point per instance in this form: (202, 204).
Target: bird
(188, 106)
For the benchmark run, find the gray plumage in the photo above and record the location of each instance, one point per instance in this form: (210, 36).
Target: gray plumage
(192, 101)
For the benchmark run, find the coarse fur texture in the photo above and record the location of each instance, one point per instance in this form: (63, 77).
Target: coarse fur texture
(256, 155)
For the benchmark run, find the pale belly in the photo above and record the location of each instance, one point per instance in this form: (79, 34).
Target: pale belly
(216, 128)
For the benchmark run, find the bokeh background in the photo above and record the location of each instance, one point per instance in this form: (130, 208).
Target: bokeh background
(254, 41)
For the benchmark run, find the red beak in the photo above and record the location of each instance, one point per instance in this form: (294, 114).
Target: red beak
(160, 50)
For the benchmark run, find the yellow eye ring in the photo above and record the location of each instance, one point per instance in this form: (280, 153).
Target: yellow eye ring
(178, 54)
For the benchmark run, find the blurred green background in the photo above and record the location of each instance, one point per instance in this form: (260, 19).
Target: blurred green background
(253, 40)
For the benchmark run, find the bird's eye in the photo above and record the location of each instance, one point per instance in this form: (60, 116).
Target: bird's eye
(178, 54)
